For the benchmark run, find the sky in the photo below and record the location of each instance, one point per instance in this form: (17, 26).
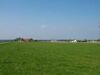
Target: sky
(50, 19)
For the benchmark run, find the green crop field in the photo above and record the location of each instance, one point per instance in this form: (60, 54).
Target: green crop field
(44, 58)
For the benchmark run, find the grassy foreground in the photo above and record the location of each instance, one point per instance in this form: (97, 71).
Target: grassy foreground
(40, 58)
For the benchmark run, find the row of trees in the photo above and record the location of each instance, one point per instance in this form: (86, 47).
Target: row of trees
(66, 40)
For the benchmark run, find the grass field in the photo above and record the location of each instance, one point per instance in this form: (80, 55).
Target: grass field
(43, 58)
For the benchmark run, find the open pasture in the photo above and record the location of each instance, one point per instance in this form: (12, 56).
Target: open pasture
(45, 58)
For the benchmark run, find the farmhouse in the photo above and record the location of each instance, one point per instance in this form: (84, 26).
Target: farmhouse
(24, 39)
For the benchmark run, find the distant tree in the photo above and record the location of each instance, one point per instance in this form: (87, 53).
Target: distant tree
(31, 39)
(18, 39)
(79, 40)
(85, 40)
(98, 40)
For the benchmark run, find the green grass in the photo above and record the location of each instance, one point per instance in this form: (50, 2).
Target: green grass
(41, 58)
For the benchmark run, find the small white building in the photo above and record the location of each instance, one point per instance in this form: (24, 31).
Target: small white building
(53, 40)
(74, 41)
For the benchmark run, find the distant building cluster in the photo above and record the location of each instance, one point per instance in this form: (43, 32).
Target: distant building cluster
(68, 40)
(23, 39)
(60, 40)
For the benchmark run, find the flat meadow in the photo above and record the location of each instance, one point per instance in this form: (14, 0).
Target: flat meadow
(45, 58)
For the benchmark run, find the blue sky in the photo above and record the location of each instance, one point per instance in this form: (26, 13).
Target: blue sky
(50, 19)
